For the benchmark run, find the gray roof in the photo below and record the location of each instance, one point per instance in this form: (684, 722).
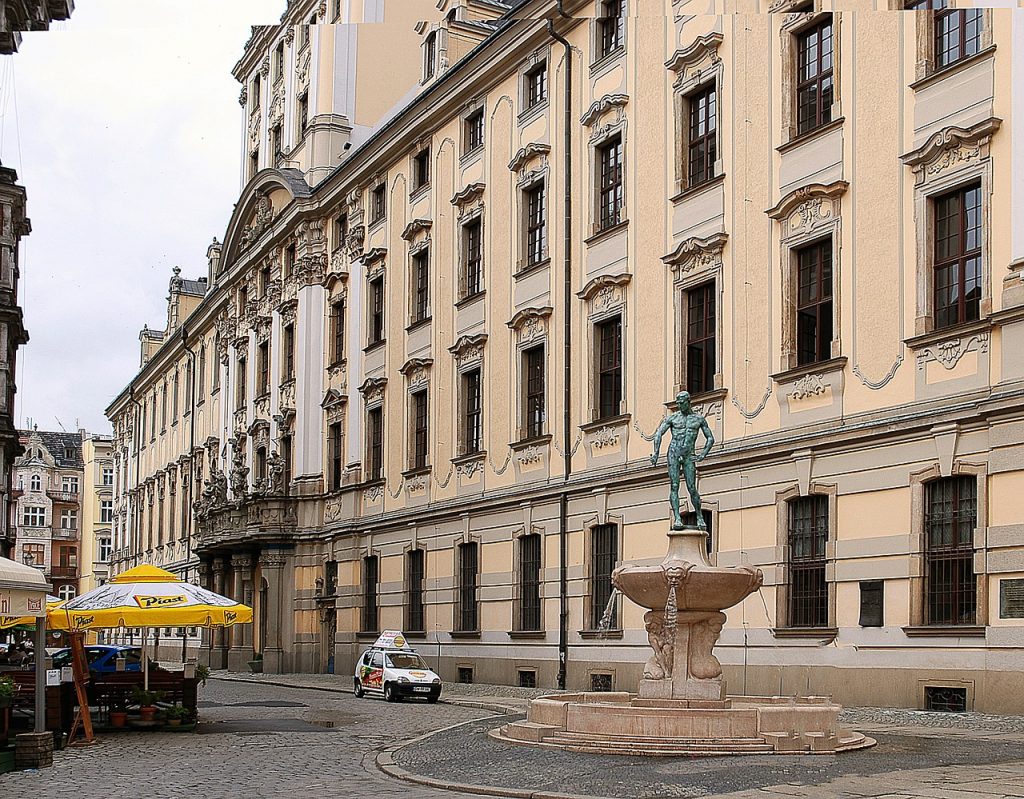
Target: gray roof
(56, 444)
(196, 288)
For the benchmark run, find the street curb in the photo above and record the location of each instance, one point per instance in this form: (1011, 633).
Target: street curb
(385, 763)
(456, 701)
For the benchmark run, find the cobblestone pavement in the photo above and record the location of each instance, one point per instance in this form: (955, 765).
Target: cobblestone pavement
(310, 737)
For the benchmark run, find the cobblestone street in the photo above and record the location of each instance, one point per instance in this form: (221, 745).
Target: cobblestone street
(308, 736)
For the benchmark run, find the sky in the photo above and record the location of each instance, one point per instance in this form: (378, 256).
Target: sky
(123, 125)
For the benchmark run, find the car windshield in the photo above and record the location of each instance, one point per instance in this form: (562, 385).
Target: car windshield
(402, 660)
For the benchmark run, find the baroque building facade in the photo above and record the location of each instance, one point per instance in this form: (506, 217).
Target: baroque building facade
(97, 511)
(449, 312)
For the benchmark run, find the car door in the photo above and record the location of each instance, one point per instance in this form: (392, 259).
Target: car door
(374, 673)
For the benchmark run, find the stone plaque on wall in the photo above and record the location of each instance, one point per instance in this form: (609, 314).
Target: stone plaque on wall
(1011, 599)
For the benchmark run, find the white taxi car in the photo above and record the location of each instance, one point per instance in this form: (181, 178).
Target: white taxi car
(392, 669)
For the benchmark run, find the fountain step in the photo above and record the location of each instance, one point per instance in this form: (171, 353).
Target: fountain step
(664, 747)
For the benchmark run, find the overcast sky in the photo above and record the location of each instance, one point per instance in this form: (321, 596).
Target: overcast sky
(123, 125)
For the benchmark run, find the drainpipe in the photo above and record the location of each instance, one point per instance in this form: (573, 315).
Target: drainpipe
(563, 527)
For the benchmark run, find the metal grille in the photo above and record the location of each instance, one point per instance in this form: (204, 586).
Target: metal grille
(376, 310)
(604, 541)
(945, 700)
(958, 256)
(957, 35)
(950, 520)
(465, 675)
(808, 535)
(473, 273)
(474, 411)
(535, 410)
(601, 682)
(612, 27)
(419, 429)
(527, 679)
(609, 368)
(814, 91)
(375, 466)
(610, 187)
(814, 303)
(536, 224)
(700, 338)
(529, 582)
(337, 332)
(371, 575)
(468, 574)
(703, 144)
(415, 618)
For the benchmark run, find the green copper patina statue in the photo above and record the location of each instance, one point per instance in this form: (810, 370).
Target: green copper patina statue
(682, 456)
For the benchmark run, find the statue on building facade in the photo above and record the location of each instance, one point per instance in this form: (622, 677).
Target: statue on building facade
(239, 471)
(682, 456)
(275, 474)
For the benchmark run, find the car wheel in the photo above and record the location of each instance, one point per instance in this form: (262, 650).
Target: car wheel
(389, 693)
(359, 692)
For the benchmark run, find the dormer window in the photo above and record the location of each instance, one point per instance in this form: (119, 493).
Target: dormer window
(430, 56)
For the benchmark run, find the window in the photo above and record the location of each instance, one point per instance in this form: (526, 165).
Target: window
(103, 550)
(335, 453)
(336, 14)
(814, 90)
(371, 574)
(201, 382)
(69, 520)
(257, 90)
(945, 699)
(808, 535)
(420, 287)
(534, 406)
(376, 310)
(338, 332)
(289, 260)
(174, 397)
(604, 543)
(420, 430)
(286, 456)
(340, 231)
(609, 197)
(33, 554)
(34, 517)
(872, 603)
(261, 466)
(69, 485)
(375, 441)
(421, 169)
(415, 620)
(700, 338)
(472, 258)
(263, 368)
(152, 420)
(610, 28)
(536, 224)
(951, 514)
(288, 364)
(957, 33)
(243, 300)
(216, 364)
(429, 55)
(378, 203)
(66, 592)
(107, 477)
(466, 675)
(535, 85)
(527, 678)
(529, 582)
(703, 140)
(240, 388)
(609, 368)
(958, 256)
(279, 61)
(36, 483)
(473, 131)
(163, 407)
(472, 397)
(469, 567)
(814, 302)
(276, 146)
(302, 112)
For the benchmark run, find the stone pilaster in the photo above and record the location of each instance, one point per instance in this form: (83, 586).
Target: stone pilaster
(218, 653)
(272, 565)
(241, 651)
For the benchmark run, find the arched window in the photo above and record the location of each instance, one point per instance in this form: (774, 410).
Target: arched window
(66, 592)
(36, 483)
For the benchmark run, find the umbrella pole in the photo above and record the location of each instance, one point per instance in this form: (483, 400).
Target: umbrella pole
(40, 653)
(145, 659)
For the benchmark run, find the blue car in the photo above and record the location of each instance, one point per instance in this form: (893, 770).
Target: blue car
(103, 658)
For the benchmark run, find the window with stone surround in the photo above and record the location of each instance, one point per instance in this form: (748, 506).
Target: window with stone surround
(808, 586)
(468, 617)
(535, 85)
(702, 139)
(429, 55)
(611, 27)
(534, 389)
(378, 203)
(535, 223)
(529, 582)
(375, 328)
(609, 183)
(473, 132)
(421, 169)
(472, 411)
(337, 332)
(814, 79)
(946, 36)
(701, 329)
(472, 258)
(604, 554)
(608, 336)
(420, 283)
(375, 443)
(370, 622)
(415, 616)
(951, 515)
(958, 236)
(335, 454)
(814, 318)
(420, 430)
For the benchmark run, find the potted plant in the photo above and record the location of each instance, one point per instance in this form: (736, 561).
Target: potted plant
(256, 664)
(175, 715)
(118, 714)
(8, 688)
(146, 700)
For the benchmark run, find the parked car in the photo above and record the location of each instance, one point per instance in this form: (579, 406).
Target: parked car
(392, 669)
(103, 658)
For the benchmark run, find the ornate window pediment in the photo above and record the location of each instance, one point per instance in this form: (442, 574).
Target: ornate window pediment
(534, 151)
(951, 148)
(416, 371)
(469, 349)
(470, 200)
(804, 209)
(609, 103)
(531, 324)
(415, 228)
(372, 390)
(696, 253)
(690, 60)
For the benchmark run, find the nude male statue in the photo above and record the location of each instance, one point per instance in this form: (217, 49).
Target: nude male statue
(682, 457)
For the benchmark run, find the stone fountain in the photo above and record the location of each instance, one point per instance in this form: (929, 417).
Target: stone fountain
(681, 707)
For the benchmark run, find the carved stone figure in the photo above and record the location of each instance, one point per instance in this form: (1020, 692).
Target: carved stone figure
(682, 457)
(275, 473)
(239, 471)
(662, 640)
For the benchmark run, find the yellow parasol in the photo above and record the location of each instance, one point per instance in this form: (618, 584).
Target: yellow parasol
(147, 596)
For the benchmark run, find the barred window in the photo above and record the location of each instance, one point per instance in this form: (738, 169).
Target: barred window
(814, 327)
(604, 543)
(958, 235)
(703, 141)
(469, 568)
(415, 618)
(610, 188)
(700, 338)
(529, 582)
(808, 535)
(814, 89)
(950, 518)
(371, 576)
(609, 368)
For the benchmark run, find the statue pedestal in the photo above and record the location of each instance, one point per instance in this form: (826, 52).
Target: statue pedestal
(683, 666)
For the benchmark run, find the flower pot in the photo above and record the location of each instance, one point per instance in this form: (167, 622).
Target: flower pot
(147, 713)
(118, 718)
(173, 722)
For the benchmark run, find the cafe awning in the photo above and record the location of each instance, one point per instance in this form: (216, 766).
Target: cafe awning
(22, 590)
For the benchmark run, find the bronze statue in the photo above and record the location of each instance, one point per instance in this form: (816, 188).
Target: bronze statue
(682, 457)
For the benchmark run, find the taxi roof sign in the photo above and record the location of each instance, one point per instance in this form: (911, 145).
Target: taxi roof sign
(392, 639)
